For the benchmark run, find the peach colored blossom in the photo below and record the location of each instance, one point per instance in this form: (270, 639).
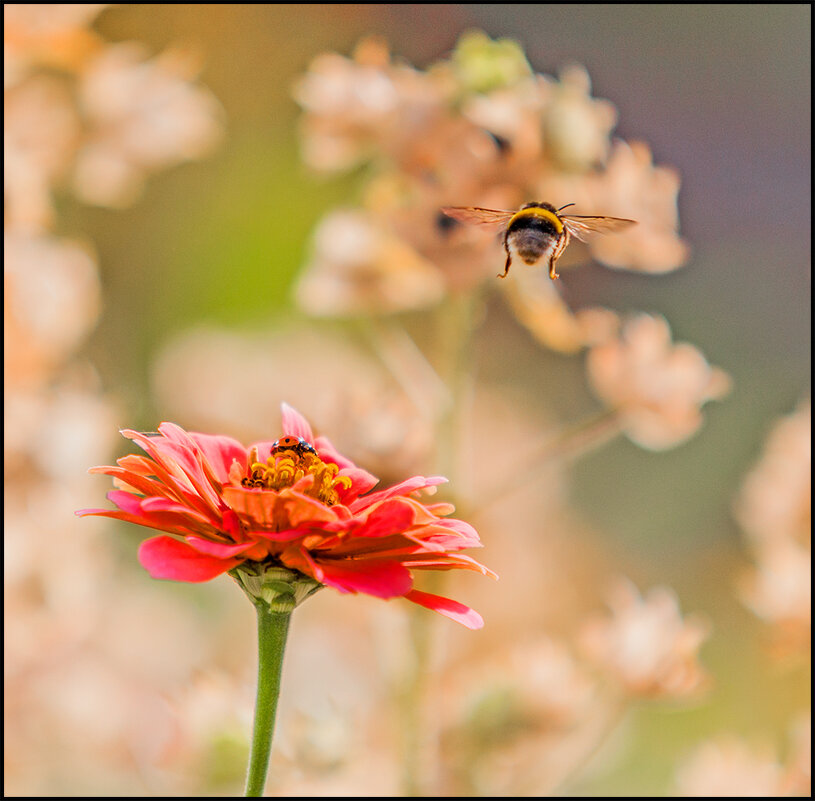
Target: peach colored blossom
(630, 186)
(775, 502)
(730, 768)
(779, 589)
(657, 387)
(774, 508)
(51, 300)
(357, 106)
(517, 721)
(355, 264)
(142, 115)
(540, 307)
(798, 767)
(576, 127)
(646, 645)
(47, 34)
(41, 132)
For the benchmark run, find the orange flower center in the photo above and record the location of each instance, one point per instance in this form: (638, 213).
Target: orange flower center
(286, 467)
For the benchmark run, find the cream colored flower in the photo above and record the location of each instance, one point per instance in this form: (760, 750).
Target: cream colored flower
(517, 721)
(481, 64)
(356, 265)
(775, 502)
(539, 681)
(539, 306)
(646, 645)
(779, 590)
(357, 107)
(730, 768)
(657, 387)
(576, 127)
(47, 34)
(142, 115)
(52, 299)
(774, 508)
(40, 135)
(798, 768)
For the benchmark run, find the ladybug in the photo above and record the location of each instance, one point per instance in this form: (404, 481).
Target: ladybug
(292, 443)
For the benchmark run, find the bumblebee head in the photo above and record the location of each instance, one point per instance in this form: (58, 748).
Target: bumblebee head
(540, 205)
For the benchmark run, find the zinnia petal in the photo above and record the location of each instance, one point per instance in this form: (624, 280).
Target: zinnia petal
(403, 488)
(445, 606)
(166, 558)
(220, 452)
(220, 550)
(295, 424)
(391, 517)
(383, 579)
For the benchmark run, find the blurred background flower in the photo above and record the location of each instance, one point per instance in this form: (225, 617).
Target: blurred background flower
(189, 189)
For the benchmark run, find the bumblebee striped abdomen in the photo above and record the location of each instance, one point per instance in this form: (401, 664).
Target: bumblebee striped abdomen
(533, 231)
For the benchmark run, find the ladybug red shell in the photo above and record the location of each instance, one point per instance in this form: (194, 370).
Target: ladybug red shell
(292, 443)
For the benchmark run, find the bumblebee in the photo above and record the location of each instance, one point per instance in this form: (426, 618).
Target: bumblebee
(537, 230)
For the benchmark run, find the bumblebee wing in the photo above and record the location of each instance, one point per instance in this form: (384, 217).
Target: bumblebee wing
(472, 215)
(582, 227)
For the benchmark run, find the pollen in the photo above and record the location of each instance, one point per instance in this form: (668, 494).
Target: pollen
(286, 468)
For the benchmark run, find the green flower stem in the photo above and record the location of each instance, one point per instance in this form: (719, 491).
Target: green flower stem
(273, 628)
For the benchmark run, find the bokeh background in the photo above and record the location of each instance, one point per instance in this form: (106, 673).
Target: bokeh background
(721, 93)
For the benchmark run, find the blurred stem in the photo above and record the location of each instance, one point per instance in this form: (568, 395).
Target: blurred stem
(614, 714)
(455, 328)
(572, 443)
(273, 628)
(455, 325)
(411, 705)
(407, 364)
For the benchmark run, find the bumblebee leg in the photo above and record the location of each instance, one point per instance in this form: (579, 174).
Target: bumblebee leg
(556, 254)
(506, 266)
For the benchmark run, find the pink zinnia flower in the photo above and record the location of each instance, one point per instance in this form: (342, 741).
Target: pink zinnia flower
(294, 503)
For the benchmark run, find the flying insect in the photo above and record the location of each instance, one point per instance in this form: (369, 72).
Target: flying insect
(537, 230)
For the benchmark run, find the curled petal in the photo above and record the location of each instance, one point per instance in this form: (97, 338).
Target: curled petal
(157, 522)
(220, 452)
(176, 462)
(467, 536)
(403, 488)
(447, 562)
(444, 606)
(166, 558)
